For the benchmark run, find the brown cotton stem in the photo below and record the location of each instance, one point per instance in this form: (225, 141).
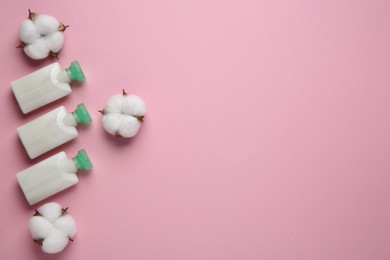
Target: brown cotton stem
(31, 15)
(124, 92)
(62, 27)
(54, 54)
(37, 213)
(38, 241)
(140, 118)
(21, 45)
(117, 135)
(64, 211)
(102, 111)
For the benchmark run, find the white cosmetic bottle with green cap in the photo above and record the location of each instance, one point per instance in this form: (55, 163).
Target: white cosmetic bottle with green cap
(52, 129)
(45, 85)
(52, 175)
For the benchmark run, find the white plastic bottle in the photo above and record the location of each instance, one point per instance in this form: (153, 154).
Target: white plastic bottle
(52, 175)
(45, 85)
(52, 129)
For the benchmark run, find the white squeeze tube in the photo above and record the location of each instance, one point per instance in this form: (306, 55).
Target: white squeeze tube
(52, 175)
(45, 85)
(52, 129)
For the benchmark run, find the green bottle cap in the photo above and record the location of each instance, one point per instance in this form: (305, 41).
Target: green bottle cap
(82, 161)
(81, 114)
(75, 71)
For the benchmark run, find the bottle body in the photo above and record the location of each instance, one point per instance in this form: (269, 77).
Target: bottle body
(40, 87)
(46, 132)
(47, 178)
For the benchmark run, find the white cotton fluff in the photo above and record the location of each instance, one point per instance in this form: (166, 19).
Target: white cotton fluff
(27, 32)
(129, 126)
(122, 115)
(53, 226)
(41, 35)
(39, 227)
(111, 122)
(37, 50)
(54, 41)
(67, 225)
(114, 104)
(50, 211)
(133, 105)
(46, 24)
(55, 242)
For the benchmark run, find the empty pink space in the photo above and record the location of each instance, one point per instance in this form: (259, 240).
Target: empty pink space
(266, 134)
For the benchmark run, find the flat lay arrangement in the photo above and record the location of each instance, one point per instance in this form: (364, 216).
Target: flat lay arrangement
(200, 130)
(41, 36)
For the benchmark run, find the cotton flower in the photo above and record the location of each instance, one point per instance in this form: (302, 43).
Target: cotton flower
(123, 115)
(41, 35)
(52, 227)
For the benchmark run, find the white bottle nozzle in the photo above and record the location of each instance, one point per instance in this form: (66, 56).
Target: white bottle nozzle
(64, 76)
(70, 120)
(73, 73)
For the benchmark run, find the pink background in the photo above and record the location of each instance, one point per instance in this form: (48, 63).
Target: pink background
(266, 137)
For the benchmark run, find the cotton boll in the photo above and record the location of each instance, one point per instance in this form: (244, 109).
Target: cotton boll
(129, 126)
(55, 243)
(114, 104)
(123, 115)
(54, 41)
(41, 35)
(111, 122)
(37, 50)
(67, 225)
(133, 105)
(52, 228)
(50, 211)
(39, 227)
(27, 32)
(46, 24)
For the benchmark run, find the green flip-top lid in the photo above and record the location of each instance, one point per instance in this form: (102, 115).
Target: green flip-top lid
(75, 71)
(82, 160)
(81, 114)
